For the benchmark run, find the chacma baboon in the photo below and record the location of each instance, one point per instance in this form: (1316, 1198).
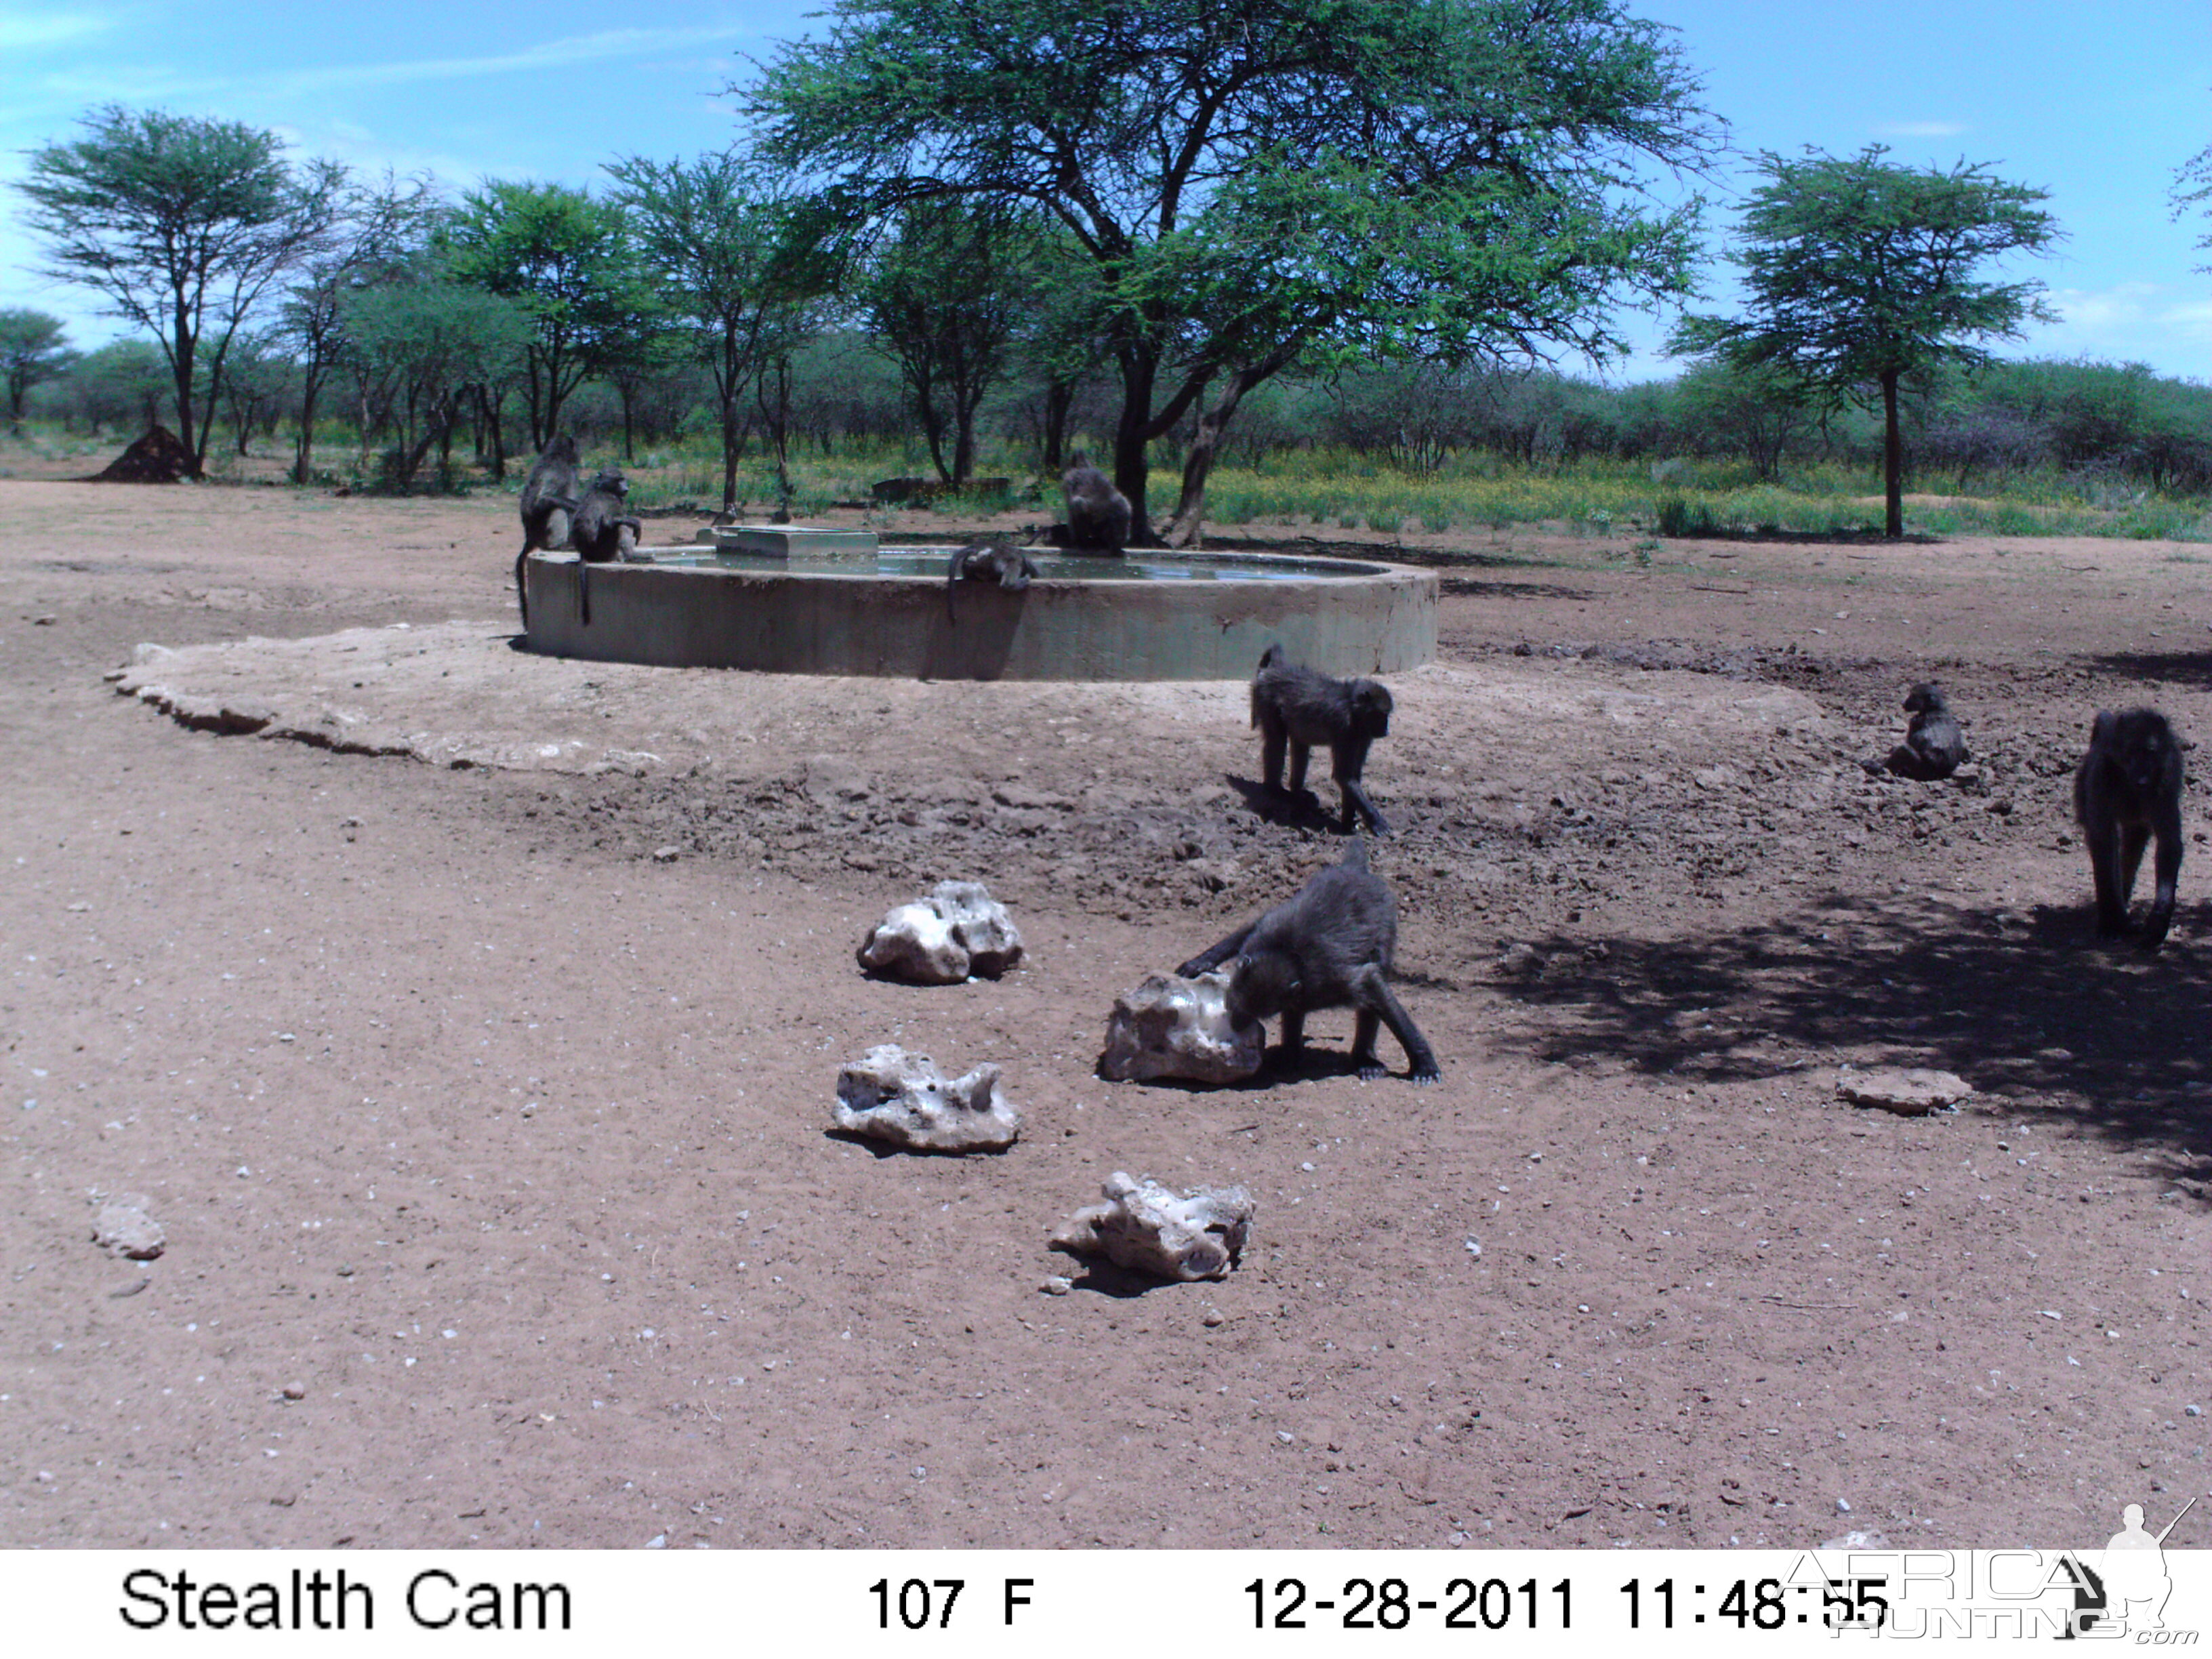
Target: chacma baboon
(2127, 790)
(1327, 946)
(599, 531)
(1934, 747)
(997, 560)
(550, 496)
(1099, 515)
(1305, 709)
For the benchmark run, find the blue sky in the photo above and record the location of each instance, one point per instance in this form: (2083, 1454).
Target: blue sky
(2097, 105)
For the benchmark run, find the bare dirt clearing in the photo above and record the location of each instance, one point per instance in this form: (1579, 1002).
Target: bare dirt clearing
(505, 1140)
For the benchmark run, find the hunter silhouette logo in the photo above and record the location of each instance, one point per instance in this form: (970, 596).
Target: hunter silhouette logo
(2135, 1577)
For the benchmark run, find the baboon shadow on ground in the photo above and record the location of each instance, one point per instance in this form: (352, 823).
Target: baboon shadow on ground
(2026, 1004)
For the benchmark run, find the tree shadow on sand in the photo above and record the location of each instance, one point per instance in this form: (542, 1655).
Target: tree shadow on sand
(2189, 669)
(2026, 1005)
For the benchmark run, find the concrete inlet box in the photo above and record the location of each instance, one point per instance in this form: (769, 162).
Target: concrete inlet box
(780, 541)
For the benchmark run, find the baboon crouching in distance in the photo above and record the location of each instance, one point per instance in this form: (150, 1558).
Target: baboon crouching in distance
(2128, 790)
(550, 496)
(997, 560)
(603, 532)
(1098, 515)
(1934, 746)
(1304, 709)
(1329, 946)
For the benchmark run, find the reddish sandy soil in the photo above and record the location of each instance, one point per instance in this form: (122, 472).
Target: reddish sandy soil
(502, 1142)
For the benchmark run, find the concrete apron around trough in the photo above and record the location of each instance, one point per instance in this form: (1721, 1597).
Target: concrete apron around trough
(815, 622)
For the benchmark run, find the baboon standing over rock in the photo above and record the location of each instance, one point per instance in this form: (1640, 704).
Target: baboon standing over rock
(2128, 790)
(1327, 946)
(603, 532)
(1303, 708)
(550, 496)
(1934, 747)
(1098, 515)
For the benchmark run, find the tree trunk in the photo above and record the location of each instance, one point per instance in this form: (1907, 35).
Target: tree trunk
(1182, 530)
(303, 457)
(963, 449)
(1059, 401)
(1892, 459)
(1132, 466)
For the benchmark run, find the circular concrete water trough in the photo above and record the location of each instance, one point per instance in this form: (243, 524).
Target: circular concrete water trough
(853, 611)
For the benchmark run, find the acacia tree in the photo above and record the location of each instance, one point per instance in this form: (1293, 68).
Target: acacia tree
(182, 224)
(421, 346)
(1255, 183)
(1862, 274)
(375, 230)
(31, 350)
(564, 257)
(744, 259)
(947, 297)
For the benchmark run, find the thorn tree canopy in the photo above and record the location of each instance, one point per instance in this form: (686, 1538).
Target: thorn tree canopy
(1861, 273)
(563, 258)
(181, 223)
(1259, 183)
(31, 350)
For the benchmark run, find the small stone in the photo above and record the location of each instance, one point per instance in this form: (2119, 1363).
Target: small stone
(1145, 1227)
(1213, 1319)
(1911, 1092)
(666, 854)
(2194, 1411)
(1520, 961)
(295, 1391)
(123, 1228)
(658, 1541)
(959, 930)
(1057, 1286)
(1843, 1506)
(1171, 1027)
(890, 1095)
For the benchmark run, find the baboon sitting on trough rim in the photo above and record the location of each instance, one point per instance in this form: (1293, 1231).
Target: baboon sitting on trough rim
(1303, 708)
(1326, 946)
(603, 533)
(550, 496)
(2128, 790)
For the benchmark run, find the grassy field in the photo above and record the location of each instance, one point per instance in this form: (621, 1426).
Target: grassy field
(1341, 491)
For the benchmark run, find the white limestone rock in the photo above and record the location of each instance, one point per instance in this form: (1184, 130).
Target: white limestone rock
(890, 1095)
(1170, 1027)
(1911, 1092)
(957, 931)
(124, 1228)
(1147, 1228)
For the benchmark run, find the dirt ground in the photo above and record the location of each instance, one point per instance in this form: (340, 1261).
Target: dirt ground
(471, 1032)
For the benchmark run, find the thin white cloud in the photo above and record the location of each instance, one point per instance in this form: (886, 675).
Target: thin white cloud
(552, 54)
(151, 84)
(27, 30)
(1921, 129)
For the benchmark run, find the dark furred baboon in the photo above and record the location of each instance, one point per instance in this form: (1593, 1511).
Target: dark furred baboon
(1934, 747)
(997, 561)
(2128, 790)
(1327, 946)
(1306, 709)
(1097, 513)
(550, 496)
(603, 532)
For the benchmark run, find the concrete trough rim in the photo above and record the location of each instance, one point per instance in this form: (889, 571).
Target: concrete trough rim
(778, 617)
